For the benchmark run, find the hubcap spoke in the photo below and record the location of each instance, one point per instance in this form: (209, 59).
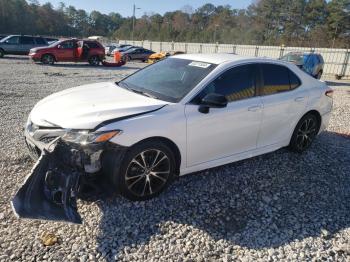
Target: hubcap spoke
(155, 159)
(138, 163)
(155, 165)
(149, 187)
(133, 177)
(143, 159)
(155, 174)
(133, 183)
(147, 172)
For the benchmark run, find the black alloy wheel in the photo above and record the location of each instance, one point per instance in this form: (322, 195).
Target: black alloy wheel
(146, 170)
(304, 133)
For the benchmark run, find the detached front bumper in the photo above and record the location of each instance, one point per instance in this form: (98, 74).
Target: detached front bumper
(62, 170)
(50, 190)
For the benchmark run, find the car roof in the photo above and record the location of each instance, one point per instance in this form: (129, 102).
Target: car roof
(28, 36)
(217, 58)
(302, 53)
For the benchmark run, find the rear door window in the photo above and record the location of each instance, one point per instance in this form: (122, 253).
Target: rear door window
(27, 40)
(276, 79)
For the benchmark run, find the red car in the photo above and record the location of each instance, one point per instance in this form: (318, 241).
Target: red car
(72, 50)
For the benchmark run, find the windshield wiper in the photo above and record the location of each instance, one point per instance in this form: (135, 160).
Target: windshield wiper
(142, 93)
(126, 86)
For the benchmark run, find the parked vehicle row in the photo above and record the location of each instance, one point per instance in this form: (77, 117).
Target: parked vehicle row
(50, 50)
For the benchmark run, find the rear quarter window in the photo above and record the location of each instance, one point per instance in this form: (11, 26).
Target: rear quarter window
(294, 80)
(40, 41)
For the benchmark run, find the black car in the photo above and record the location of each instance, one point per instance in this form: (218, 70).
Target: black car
(20, 44)
(137, 53)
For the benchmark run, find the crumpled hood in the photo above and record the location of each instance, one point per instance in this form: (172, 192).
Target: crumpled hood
(86, 106)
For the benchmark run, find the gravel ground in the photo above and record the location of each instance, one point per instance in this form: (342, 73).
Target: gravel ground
(279, 206)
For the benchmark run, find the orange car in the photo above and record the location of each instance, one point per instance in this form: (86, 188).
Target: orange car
(158, 56)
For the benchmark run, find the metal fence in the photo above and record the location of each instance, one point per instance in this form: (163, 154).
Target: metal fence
(336, 60)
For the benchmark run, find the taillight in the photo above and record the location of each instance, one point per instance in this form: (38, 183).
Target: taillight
(329, 93)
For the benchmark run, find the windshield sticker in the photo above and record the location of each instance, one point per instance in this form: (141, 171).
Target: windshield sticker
(199, 64)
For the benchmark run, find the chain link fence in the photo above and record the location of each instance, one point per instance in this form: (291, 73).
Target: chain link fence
(336, 60)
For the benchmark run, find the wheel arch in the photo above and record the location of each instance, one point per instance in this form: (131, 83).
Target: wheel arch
(313, 112)
(317, 115)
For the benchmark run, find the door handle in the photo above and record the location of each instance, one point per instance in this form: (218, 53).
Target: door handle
(299, 99)
(254, 108)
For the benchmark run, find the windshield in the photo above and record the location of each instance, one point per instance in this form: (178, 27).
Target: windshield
(56, 43)
(297, 59)
(4, 39)
(169, 79)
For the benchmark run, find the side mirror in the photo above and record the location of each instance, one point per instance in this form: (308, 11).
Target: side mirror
(212, 101)
(59, 47)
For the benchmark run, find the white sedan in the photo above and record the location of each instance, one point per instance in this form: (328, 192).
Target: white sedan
(183, 114)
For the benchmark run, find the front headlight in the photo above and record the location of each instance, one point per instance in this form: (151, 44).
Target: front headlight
(84, 137)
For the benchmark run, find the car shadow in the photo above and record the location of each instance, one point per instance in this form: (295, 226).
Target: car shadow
(342, 83)
(262, 202)
(15, 58)
(100, 67)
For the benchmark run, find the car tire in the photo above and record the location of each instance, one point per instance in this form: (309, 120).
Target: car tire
(48, 59)
(304, 133)
(94, 60)
(128, 58)
(146, 170)
(2, 53)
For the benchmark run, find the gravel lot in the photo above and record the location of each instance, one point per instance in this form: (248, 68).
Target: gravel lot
(279, 206)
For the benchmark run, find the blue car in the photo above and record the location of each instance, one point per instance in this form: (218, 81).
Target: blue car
(311, 63)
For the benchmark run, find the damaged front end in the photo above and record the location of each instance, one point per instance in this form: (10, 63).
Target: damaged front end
(50, 190)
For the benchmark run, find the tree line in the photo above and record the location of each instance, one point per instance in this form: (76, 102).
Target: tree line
(315, 23)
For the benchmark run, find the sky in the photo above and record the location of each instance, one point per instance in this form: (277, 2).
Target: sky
(125, 7)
